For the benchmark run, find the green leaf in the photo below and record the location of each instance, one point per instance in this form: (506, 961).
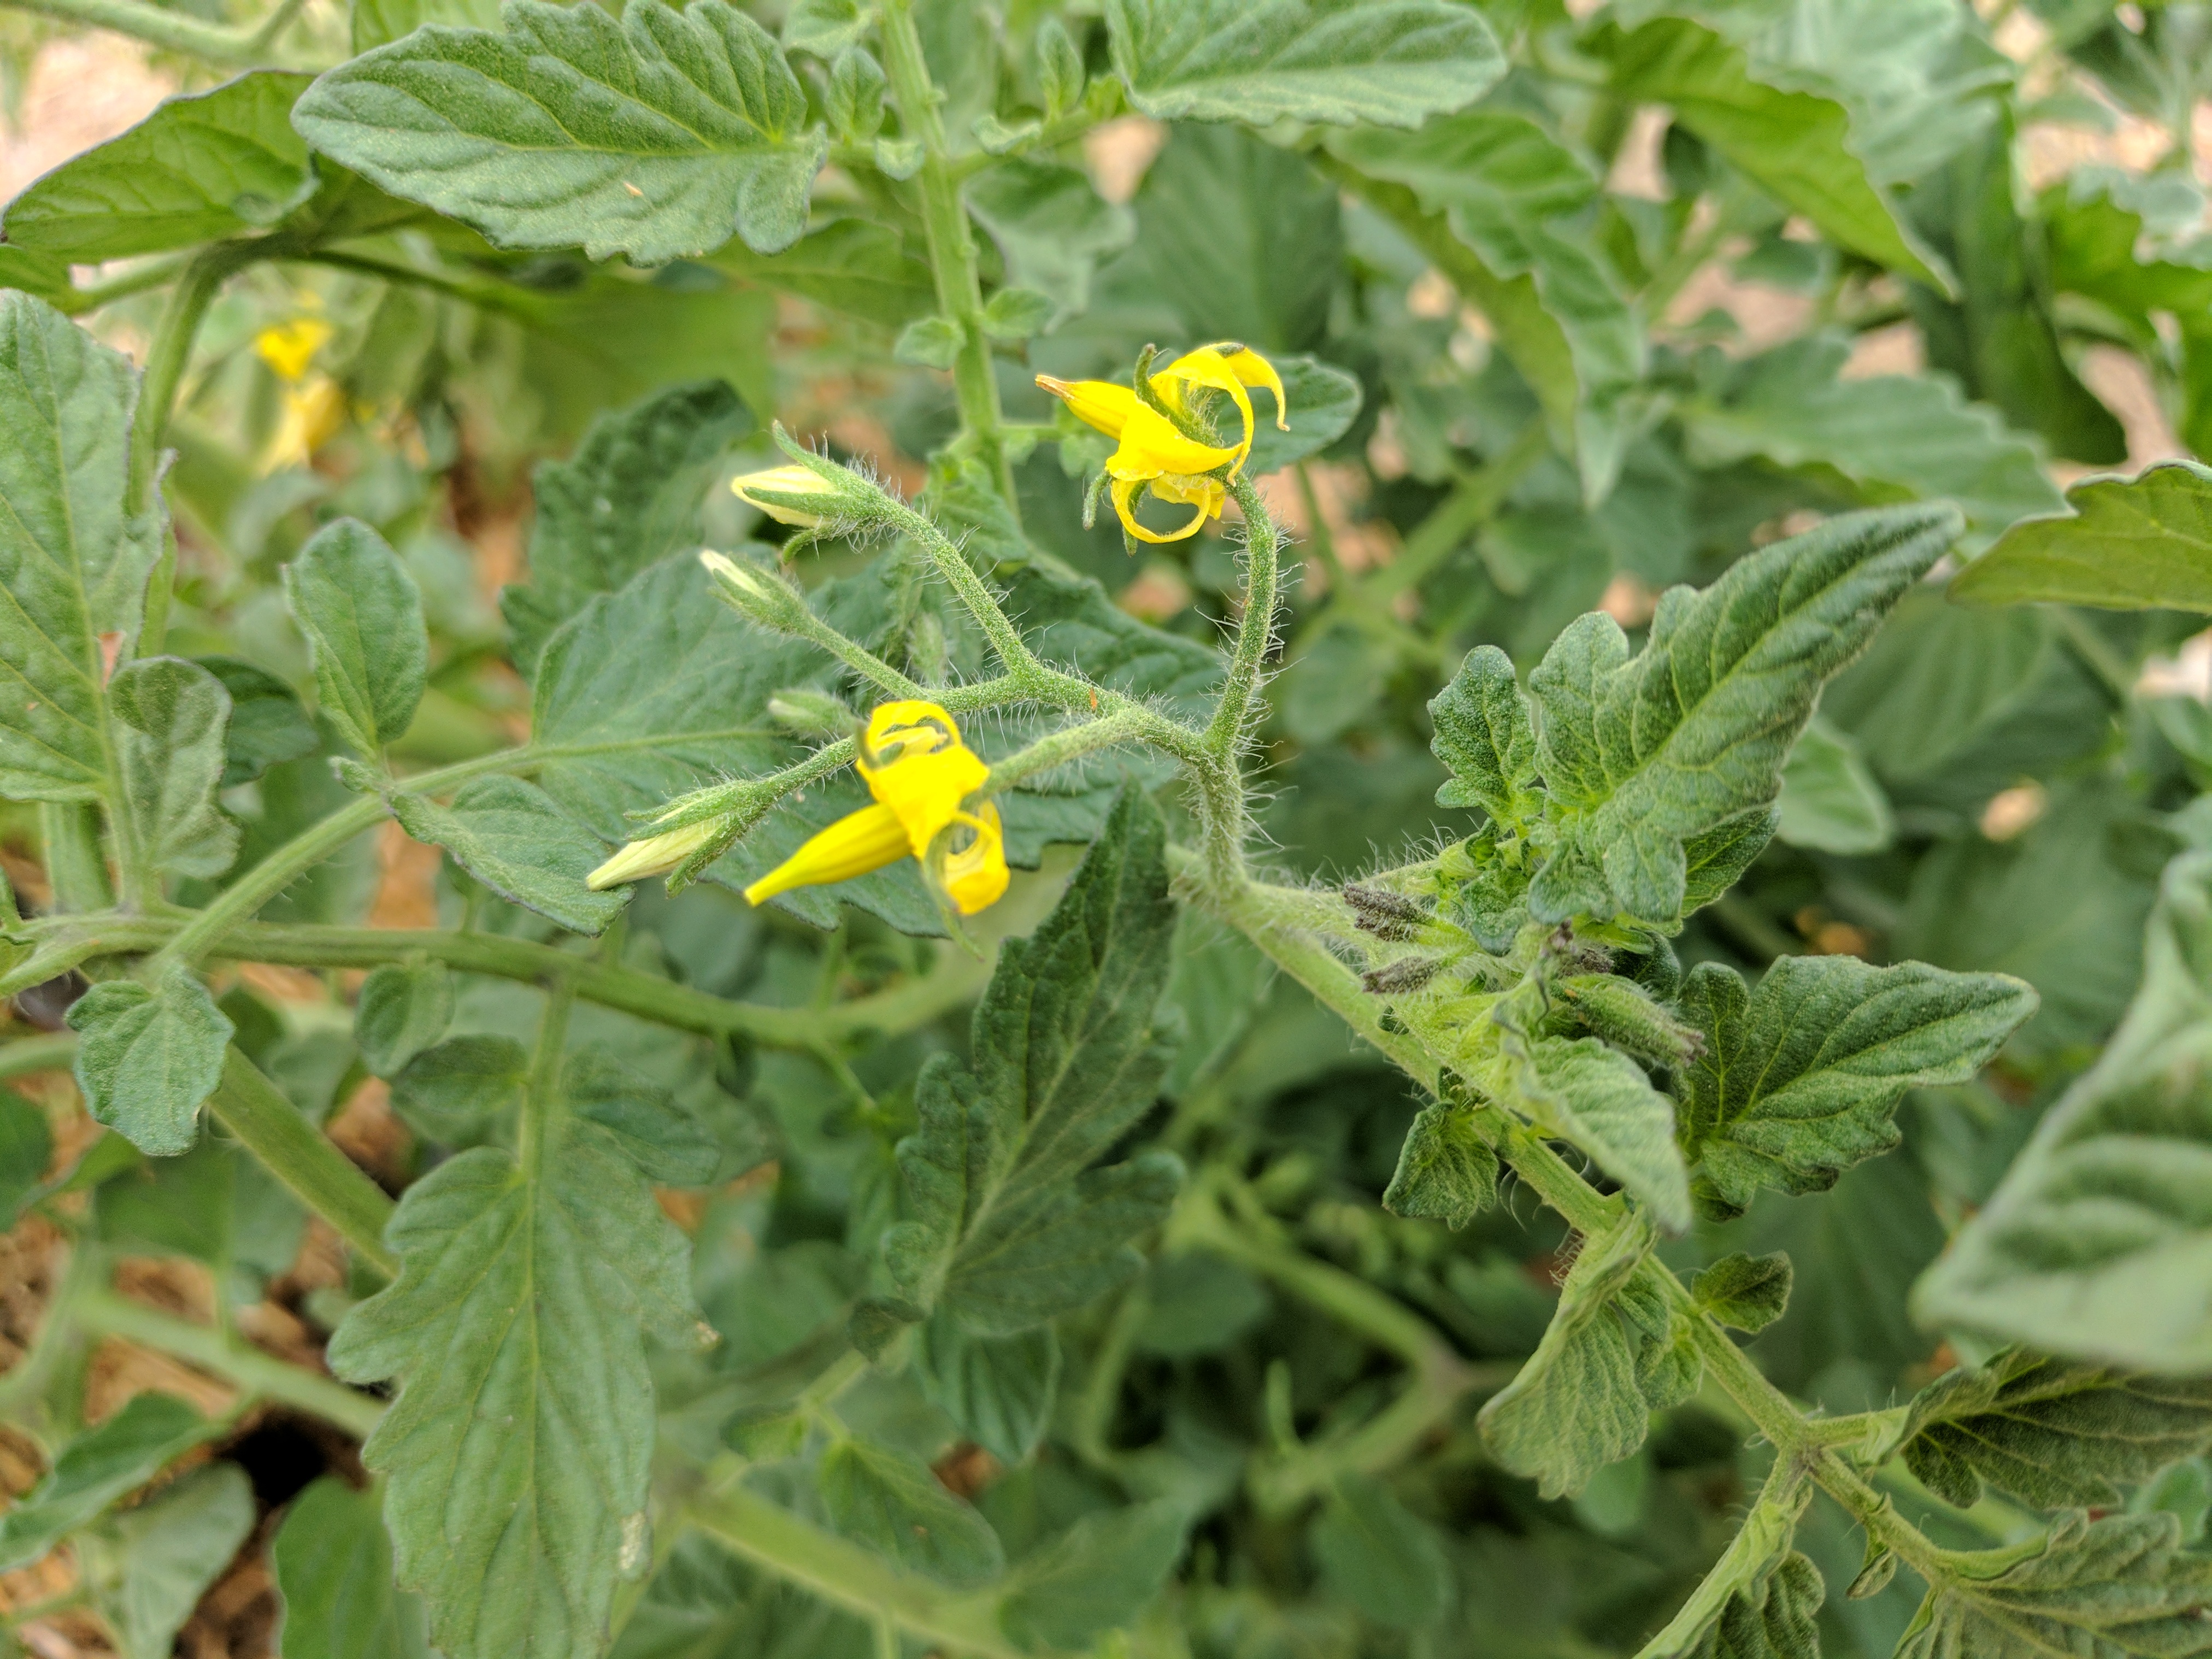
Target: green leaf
(2090, 1246)
(378, 22)
(826, 27)
(630, 496)
(1600, 1100)
(511, 836)
(173, 716)
(333, 1567)
(2105, 1589)
(1796, 145)
(851, 265)
(362, 615)
(95, 1469)
(1324, 402)
(928, 342)
(26, 1147)
(1486, 735)
(1381, 1557)
(1830, 801)
(73, 568)
(890, 1501)
(2132, 543)
(1642, 757)
(655, 1130)
(2054, 1433)
(1097, 1575)
(1758, 1599)
(200, 167)
(1584, 1399)
(148, 1567)
(1748, 1292)
(1011, 1226)
(1052, 227)
(267, 725)
(1885, 433)
(517, 1452)
(1340, 61)
(404, 1008)
(459, 1090)
(1446, 1172)
(998, 1391)
(659, 136)
(147, 1058)
(1800, 1080)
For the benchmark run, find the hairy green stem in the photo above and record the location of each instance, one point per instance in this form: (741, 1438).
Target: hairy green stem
(239, 900)
(1256, 627)
(1071, 743)
(772, 1537)
(76, 869)
(299, 1155)
(951, 246)
(57, 1053)
(542, 1107)
(104, 1313)
(173, 31)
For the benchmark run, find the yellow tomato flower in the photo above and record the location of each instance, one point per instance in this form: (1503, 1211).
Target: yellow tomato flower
(772, 491)
(920, 773)
(1153, 454)
(311, 418)
(289, 348)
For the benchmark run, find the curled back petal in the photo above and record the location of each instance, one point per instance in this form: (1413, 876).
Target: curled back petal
(975, 875)
(1125, 491)
(1151, 447)
(1207, 367)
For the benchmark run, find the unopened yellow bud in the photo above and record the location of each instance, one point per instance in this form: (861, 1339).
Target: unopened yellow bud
(791, 495)
(656, 855)
(754, 593)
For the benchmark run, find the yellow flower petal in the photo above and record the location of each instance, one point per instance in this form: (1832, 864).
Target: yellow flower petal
(1207, 367)
(1100, 403)
(1125, 491)
(975, 875)
(1250, 367)
(915, 763)
(311, 418)
(857, 843)
(1151, 446)
(289, 348)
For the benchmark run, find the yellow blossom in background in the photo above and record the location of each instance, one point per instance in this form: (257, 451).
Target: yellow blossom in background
(289, 348)
(1152, 453)
(920, 773)
(314, 406)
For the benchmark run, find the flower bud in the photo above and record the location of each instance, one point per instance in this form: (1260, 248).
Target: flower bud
(1406, 974)
(754, 593)
(791, 495)
(656, 855)
(1384, 914)
(1620, 1012)
(806, 713)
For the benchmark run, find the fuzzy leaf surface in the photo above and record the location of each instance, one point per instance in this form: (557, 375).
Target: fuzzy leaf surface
(659, 136)
(889, 1500)
(1487, 736)
(2132, 543)
(1446, 1172)
(147, 1058)
(174, 718)
(511, 836)
(95, 1469)
(362, 615)
(333, 1567)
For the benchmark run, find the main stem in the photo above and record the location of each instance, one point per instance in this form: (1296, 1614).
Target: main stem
(951, 247)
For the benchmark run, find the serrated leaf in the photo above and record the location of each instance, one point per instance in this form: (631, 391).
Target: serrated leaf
(148, 1567)
(333, 1568)
(1757, 1602)
(1487, 736)
(1096, 1576)
(404, 1007)
(1378, 1555)
(147, 1058)
(1052, 227)
(73, 567)
(1748, 1292)
(852, 265)
(1581, 1400)
(2100, 1588)
(1340, 61)
(890, 1501)
(999, 1391)
(1830, 801)
(202, 166)
(2093, 1244)
(362, 615)
(1796, 144)
(1799, 1080)
(267, 725)
(1446, 1172)
(95, 1469)
(1600, 1100)
(172, 751)
(518, 1449)
(457, 1091)
(2055, 1433)
(1642, 755)
(1011, 1226)
(659, 136)
(629, 496)
(1883, 432)
(825, 27)
(2131, 543)
(511, 836)
(654, 1129)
